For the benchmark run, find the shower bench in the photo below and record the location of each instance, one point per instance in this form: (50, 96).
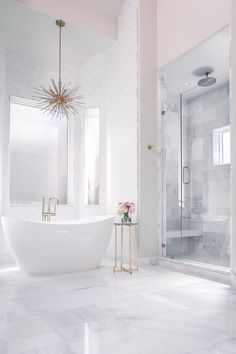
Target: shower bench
(184, 233)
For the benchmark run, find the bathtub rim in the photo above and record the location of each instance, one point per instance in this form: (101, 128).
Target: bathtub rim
(81, 221)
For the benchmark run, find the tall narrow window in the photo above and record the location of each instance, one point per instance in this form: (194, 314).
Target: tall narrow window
(92, 144)
(226, 147)
(38, 154)
(221, 145)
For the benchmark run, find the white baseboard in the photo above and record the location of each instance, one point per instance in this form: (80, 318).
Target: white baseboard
(147, 261)
(233, 279)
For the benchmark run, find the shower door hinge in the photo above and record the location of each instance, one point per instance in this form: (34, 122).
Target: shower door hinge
(163, 245)
(163, 113)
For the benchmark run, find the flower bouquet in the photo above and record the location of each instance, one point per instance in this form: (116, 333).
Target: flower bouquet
(126, 209)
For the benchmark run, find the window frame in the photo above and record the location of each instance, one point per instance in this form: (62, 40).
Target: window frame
(218, 146)
(70, 156)
(85, 184)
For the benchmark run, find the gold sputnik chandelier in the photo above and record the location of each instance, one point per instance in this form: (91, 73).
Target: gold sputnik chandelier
(59, 99)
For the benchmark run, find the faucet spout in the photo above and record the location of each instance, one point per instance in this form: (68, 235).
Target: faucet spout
(52, 205)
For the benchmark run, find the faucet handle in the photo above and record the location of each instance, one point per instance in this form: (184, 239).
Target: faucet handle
(43, 205)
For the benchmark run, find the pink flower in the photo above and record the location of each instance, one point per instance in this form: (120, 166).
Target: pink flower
(125, 207)
(131, 208)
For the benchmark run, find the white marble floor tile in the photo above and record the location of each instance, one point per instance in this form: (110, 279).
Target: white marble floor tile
(226, 346)
(3, 346)
(80, 281)
(58, 348)
(71, 325)
(154, 311)
(40, 288)
(15, 311)
(58, 302)
(27, 335)
(142, 307)
(127, 341)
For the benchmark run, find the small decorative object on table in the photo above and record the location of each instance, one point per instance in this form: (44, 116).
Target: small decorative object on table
(126, 209)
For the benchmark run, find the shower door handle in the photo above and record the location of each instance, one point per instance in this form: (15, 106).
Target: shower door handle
(186, 175)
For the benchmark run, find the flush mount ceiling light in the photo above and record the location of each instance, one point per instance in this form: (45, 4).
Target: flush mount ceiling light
(59, 99)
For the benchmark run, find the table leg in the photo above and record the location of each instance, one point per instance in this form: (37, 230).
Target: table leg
(130, 249)
(115, 248)
(121, 247)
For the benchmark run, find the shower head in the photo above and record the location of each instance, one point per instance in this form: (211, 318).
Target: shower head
(207, 81)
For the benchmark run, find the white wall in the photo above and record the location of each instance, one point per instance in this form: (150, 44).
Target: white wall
(2, 101)
(110, 82)
(23, 74)
(183, 24)
(78, 13)
(148, 163)
(233, 150)
(5, 256)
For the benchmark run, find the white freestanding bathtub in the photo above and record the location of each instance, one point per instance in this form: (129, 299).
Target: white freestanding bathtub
(58, 247)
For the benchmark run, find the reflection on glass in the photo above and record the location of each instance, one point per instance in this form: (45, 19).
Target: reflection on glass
(221, 145)
(86, 338)
(38, 155)
(226, 147)
(92, 133)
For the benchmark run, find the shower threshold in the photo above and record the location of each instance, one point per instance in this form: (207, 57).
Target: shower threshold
(202, 264)
(202, 270)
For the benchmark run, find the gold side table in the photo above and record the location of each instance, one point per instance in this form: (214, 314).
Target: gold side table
(132, 264)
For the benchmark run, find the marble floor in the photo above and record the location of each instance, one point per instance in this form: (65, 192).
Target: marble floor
(154, 311)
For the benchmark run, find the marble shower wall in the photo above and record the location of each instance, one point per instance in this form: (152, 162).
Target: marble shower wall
(210, 184)
(171, 163)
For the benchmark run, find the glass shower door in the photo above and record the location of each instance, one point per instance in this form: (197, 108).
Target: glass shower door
(195, 136)
(205, 137)
(171, 178)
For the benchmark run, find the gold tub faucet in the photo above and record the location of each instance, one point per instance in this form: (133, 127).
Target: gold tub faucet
(49, 208)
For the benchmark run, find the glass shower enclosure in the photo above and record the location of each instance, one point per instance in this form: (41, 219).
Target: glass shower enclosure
(195, 135)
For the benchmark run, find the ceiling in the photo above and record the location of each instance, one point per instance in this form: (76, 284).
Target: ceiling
(214, 52)
(36, 34)
(111, 7)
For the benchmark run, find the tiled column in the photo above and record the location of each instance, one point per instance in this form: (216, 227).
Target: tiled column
(147, 121)
(233, 146)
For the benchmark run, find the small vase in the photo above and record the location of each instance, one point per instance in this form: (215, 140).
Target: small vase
(126, 218)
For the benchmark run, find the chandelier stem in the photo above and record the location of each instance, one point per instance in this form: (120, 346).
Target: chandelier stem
(60, 24)
(59, 53)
